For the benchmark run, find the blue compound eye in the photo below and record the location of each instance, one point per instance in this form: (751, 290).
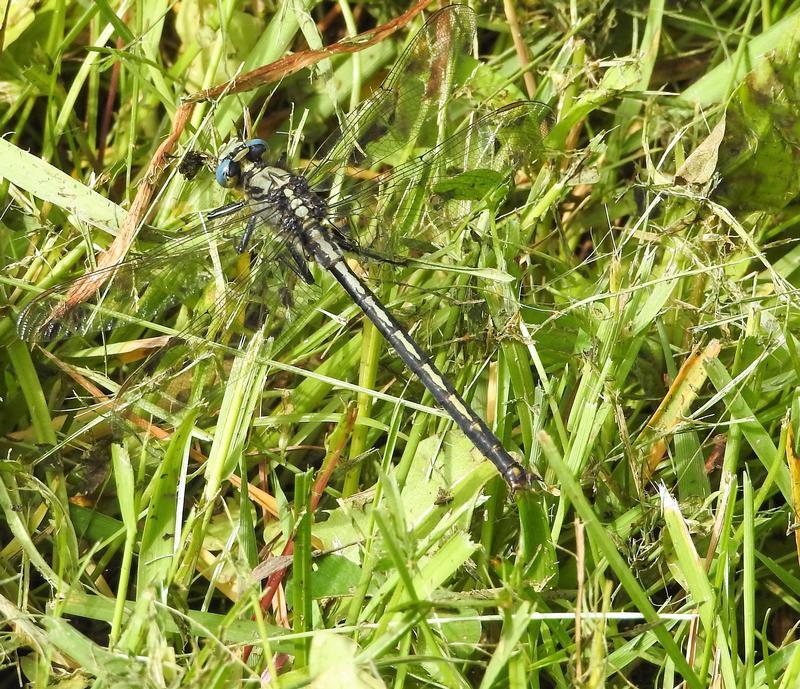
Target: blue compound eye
(256, 148)
(229, 172)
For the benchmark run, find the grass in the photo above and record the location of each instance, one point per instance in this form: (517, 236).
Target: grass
(279, 502)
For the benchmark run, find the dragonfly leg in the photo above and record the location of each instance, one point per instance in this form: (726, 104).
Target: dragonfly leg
(223, 211)
(299, 264)
(241, 247)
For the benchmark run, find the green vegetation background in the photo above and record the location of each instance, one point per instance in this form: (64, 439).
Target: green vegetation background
(644, 359)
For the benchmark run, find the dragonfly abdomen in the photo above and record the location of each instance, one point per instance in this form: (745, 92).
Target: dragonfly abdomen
(325, 251)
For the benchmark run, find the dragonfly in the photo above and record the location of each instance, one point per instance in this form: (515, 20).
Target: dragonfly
(292, 220)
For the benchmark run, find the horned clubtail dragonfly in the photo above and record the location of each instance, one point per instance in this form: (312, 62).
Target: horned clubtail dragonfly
(319, 215)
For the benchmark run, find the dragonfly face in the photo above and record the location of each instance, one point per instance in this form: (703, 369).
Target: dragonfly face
(240, 157)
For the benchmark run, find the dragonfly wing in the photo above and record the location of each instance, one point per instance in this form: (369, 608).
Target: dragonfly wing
(108, 297)
(445, 182)
(253, 299)
(172, 271)
(167, 370)
(402, 114)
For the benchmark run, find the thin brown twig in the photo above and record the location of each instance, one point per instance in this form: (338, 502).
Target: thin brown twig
(319, 487)
(108, 111)
(86, 286)
(275, 71)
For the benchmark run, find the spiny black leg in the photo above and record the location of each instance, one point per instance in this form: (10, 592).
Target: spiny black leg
(223, 211)
(241, 247)
(299, 265)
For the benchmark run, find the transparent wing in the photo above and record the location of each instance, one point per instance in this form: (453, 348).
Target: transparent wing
(141, 289)
(443, 182)
(187, 363)
(168, 371)
(403, 114)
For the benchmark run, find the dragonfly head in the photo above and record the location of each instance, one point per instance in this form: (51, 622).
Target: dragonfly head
(241, 155)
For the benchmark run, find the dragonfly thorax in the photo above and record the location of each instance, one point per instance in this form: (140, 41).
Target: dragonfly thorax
(277, 200)
(271, 188)
(285, 195)
(244, 167)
